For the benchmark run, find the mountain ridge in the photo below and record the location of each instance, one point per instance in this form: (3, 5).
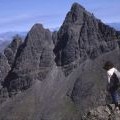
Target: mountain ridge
(9, 35)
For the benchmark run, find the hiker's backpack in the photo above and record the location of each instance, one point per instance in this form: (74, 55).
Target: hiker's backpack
(114, 82)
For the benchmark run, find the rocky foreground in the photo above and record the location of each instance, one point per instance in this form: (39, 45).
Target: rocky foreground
(103, 113)
(59, 75)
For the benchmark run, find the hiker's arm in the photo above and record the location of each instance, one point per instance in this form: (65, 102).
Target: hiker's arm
(108, 84)
(108, 76)
(117, 73)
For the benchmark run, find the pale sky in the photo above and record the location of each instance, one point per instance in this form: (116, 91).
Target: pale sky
(21, 15)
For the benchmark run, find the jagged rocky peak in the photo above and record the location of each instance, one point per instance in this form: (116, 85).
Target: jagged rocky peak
(38, 33)
(40, 44)
(76, 14)
(11, 50)
(83, 36)
(77, 7)
(33, 60)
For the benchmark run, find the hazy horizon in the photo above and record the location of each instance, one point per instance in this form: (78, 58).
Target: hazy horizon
(22, 15)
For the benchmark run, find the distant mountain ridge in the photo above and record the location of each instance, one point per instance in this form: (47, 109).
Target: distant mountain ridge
(115, 25)
(6, 36)
(3, 45)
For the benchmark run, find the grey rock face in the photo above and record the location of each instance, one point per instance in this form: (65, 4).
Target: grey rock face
(33, 59)
(103, 113)
(54, 37)
(4, 67)
(6, 64)
(11, 50)
(83, 36)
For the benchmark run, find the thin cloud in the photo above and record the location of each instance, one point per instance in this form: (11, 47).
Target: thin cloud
(23, 17)
(22, 22)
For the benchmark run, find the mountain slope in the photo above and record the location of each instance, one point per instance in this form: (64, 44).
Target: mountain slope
(83, 36)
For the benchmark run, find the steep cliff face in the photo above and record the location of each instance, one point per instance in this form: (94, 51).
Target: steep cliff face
(83, 36)
(54, 37)
(33, 60)
(4, 67)
(7, 62)
(7, 58)
(37, 52)
(11, 50)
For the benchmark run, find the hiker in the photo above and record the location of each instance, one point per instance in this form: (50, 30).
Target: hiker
(113, 83)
